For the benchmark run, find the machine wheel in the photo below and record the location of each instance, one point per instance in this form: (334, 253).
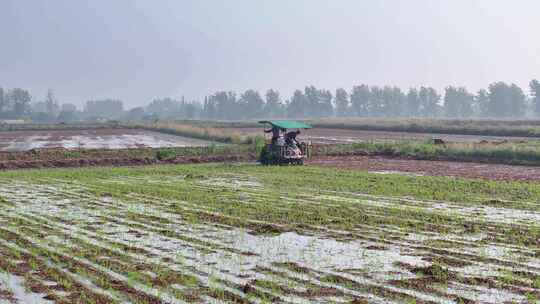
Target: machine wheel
(265, 158)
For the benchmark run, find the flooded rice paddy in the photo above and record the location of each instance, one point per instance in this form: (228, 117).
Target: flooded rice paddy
(14, 141)
(181, 238)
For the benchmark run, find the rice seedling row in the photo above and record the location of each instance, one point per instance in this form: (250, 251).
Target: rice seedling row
(245, 234)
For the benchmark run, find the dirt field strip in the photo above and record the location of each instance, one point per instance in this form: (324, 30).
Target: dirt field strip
(387, 165)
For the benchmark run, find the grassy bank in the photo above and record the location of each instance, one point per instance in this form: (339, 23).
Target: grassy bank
(223, 131)
(508, 153)
(197, 130)
(486, 127)
(215, 130)
(517, 128)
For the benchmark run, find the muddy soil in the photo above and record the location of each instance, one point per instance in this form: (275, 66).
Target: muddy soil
(378, 164)
(118, 161)
(341, 136)
(60, 158)
(382, 164)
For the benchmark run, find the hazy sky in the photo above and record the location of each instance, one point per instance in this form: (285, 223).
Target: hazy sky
(139, 50)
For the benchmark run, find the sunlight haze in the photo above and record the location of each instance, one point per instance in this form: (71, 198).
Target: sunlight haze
(139, 50)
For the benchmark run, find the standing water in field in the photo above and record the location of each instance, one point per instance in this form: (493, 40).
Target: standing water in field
(93, 139)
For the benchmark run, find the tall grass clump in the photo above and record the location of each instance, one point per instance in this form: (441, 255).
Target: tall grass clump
(197, 131)
(509, 153)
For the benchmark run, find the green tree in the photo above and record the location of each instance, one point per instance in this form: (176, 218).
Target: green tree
(535, 92)
(273, 106)
(3, 100)
(251, 104)
(298, 106)
(67, 116)
(376, 104)
(318, 102)
(226, 105)
(342, 102)
(135, 114)
(393, 101)
(325, 106)
(506, 100)
(429, 102)
(458, 102)
(209, 108)
(360, 100)
(51, 103)
(191, 109)
(412, 102)
(312, 101)
(107, 108)
(21, 102)
(400, 102)
(481, 103)
(164, 107)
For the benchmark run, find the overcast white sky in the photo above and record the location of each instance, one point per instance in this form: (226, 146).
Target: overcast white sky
(139, 50)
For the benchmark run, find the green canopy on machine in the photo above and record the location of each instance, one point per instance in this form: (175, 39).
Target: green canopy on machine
(286, 124)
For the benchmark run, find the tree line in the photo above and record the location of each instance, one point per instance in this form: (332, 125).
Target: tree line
(499, 100)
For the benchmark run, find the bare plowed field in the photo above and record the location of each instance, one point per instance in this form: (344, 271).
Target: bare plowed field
(92, 139)
(387, 165)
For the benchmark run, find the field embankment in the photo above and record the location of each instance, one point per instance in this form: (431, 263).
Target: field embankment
(354, 158)
(526, 153)
(476, 127)
(59, 158)
(507, 128)
(198, 130)
(107, 146)
(413, 167)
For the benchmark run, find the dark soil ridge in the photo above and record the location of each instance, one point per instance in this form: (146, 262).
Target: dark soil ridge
(430, 167)
(395, 154)
(119, 161)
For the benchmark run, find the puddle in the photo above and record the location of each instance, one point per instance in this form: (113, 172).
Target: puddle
(14, 285)
(404, 173)
(232, 182)
(484, 295)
